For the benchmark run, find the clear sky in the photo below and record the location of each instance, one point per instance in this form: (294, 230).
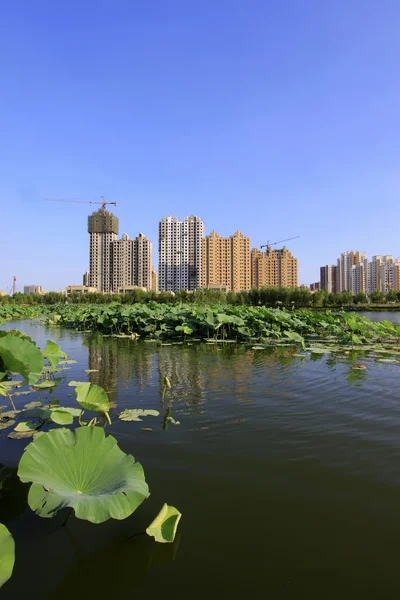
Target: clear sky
(277, 117)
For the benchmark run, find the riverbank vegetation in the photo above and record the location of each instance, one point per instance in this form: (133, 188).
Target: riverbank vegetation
(268, 296)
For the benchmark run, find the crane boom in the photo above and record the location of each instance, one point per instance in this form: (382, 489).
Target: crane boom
(268, 244)
(103, 202)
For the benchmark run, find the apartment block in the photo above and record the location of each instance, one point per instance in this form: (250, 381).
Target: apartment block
(131, 263)
(344, 269)
(274, 267)
(328, 277)
(103, 231)
(180, 253)
(154, 280)
(226, 262)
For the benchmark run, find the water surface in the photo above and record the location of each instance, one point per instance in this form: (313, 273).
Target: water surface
(286, 470)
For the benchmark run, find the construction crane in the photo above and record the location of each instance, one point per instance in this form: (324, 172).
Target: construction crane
(14, 287)
(268, 244)
(103, 202)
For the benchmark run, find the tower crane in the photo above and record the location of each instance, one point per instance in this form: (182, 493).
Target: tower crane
(268, 244)
(14, 287)
(103, 202)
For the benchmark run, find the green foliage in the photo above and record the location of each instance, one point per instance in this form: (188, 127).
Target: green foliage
(21, 355)
(7, 554)
(53, 353)
(85, 470)
(164, 526)
(92, 397)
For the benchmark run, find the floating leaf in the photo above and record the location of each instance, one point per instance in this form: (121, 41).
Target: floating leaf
(45, 385)
(26, 392)
(359, 367)
(76, 383)
(24, 426)
(164, 526)
(33, 404)
(85, 470)
(7, 554)
(21, 435)
(91, 370)
(92, 397)
(69, 362)
(6, 424)
(61, 417)
(172, 420)
(134, 414)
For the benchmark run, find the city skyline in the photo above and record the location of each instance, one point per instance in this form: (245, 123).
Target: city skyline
(267, 117)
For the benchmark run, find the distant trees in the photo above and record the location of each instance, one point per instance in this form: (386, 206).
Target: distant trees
(266, 296)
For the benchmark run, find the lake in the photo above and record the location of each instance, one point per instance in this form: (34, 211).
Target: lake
(286, 470)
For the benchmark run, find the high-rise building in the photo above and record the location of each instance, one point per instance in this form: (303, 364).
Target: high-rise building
(103, 231)
(226, 262)
(328, 275)
(85, 279)
(143, 263)
(380, 273)
(358, 279)
(180, 256)
(274, 267)
(344, 269)
(123, 263)
(132, 262)
(154, 280)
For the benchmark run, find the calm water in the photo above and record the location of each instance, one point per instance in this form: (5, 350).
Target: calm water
(287, 472)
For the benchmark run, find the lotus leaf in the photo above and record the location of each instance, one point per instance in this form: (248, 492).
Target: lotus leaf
(164, 526)
(45, 385)
(22, 356)
(7, 554)
(76, 383)
(53, 353)
(61, 417)
(85, 470)
(92, 397)
(134, 414)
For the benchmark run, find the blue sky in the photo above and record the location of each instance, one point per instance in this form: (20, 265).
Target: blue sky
(278, 117)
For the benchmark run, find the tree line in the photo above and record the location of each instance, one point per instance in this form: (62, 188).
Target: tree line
(267, 296)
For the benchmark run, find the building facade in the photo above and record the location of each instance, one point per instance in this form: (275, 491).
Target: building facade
(274, 267)
(328, 276)
(132, 263)
(226, 262)
(33, 289)
(103, 231)
(180, 254)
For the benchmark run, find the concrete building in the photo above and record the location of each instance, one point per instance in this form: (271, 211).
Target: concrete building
(85, 279)
(143, 262)
(33, 289)
(315, 287)
(358, 279)
(328, 276)
(79, 289)
(132, 263)
(226, 262)
(180, 254)
(103, 231)
(154, 280)
(344, 269)
(274, 267)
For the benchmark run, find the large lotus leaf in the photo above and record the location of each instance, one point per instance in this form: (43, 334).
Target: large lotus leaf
(85, 470)
(22, 356)
(7, 554)
(53, 353)
(61, 417)
(92, 397)
(164, 526)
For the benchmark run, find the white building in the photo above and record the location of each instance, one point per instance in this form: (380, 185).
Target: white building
(103, 231)
(380, 273)
(33, 289)
(344, 270)
(180, 254)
